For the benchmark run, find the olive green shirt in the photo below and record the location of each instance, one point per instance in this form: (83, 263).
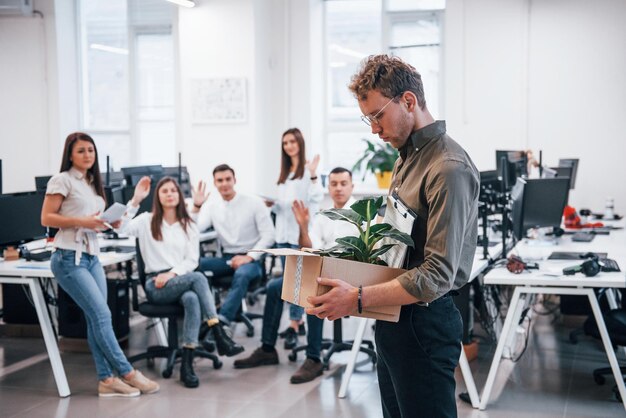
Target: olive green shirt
(436, 178)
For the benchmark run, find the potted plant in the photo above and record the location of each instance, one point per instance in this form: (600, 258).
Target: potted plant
(364, 248)
(379, 158)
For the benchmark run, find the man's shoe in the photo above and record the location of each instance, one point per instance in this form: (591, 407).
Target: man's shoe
(291, 339)
(117, 388)
(301, 330)
(256, 359)
(141, 382)
(309, 370)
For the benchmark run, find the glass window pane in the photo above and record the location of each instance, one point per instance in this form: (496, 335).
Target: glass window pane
(353, 31)
(117, 146)
(423, 30)
(403, 5)
(105, 64)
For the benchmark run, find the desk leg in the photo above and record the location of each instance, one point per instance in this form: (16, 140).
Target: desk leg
(49, 338)
(509, 325)
(358, 339)
(612, 300)
(469, 379)
(608, 347)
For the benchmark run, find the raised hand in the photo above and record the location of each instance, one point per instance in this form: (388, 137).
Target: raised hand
(312, 165)
(199, 194)
(301, 213)
(142, 190)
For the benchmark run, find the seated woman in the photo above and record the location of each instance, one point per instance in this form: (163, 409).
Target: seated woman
(169, 244)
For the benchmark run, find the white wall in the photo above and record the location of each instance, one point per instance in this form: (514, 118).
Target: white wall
(541, 75)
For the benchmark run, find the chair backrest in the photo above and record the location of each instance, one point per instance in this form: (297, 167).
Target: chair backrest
(141, 274)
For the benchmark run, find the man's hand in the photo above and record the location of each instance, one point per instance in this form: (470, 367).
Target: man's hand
(340, 301)
(312, 165)
(239, 260)
(301, 212)
(199, 195)
(142, 190)
(162, 279)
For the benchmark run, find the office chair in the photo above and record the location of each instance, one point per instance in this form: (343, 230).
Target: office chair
(172, 312)
(615, 320)
(337, 345)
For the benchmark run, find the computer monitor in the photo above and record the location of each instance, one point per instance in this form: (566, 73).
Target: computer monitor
(182, 176)
(573, 163)
(132, 175)
(537, 203)
(490, 184)
(516, 166)
(20, 218)
(115, 178)
(41, 183)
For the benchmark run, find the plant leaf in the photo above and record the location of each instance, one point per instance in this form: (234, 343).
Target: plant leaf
(375, 230)
(361, 207)
(380, 251)
(398, 236)
(347, 215)
(356, 245)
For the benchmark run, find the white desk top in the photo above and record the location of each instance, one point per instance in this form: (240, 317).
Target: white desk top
(550, 272)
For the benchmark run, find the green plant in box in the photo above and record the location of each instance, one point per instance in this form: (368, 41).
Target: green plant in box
(364, 247)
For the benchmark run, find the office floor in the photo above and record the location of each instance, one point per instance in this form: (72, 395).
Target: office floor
(552, 379)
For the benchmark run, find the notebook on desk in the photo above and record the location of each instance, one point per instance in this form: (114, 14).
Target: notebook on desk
(571, 255)
(117, 249)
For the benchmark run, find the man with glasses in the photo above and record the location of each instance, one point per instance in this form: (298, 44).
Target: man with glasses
(435, 178)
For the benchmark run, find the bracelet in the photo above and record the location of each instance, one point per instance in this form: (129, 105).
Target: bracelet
(359, 301)
(197, 207)
(314, 178)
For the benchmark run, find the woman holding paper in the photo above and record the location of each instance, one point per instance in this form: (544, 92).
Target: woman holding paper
(168, 240)
(297, 181)
(74, 200)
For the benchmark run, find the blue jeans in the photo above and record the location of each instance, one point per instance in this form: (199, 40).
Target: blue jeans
(295, 311)
(271, 321)
(242, 277)
(192, 291)
(86, 284)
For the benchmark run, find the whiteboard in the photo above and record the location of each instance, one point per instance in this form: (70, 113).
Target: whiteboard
(219, 100)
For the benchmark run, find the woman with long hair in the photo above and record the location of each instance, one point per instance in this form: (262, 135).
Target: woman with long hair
(74, 199)
(168, 239)
(297, 181)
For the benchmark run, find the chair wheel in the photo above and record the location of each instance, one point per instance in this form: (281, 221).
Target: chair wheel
(217, 364)
(599, 379)
(292, 356)
(250, 333)
(167, 373)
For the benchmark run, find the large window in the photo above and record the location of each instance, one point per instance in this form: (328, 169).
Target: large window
(354, 29)
(127, 79)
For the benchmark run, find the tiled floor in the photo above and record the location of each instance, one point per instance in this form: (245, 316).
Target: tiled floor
(552, 379)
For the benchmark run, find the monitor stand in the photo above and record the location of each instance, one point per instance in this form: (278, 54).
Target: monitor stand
(539, 238)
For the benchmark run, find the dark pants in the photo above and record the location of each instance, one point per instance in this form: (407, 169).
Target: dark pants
(416, 360)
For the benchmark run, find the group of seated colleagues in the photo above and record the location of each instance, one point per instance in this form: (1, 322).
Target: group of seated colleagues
(322, 235)
(170, 247)
(242, 222)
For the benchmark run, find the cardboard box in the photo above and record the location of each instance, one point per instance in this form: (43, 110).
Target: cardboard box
(303, 268)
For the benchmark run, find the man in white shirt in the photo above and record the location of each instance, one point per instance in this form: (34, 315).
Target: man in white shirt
(323, 234)
(242, 222)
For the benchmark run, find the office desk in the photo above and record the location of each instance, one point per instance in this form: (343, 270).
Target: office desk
(478, 266)
(550, 280)
(33, 274)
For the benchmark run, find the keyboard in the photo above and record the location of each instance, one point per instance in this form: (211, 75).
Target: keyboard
(608, 265)
(117, 249)
(583, 237)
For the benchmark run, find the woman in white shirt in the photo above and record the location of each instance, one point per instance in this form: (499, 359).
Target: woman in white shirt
(74, 198)
(168, 240)
(297, 181)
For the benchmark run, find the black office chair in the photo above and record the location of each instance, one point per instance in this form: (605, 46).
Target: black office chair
(222, 284)
(172, 312)
(615, 321)
(337, 345)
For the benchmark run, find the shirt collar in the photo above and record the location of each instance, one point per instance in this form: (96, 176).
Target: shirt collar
(75, 173)
(423, 136)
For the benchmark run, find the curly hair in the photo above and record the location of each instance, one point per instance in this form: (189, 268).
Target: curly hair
(390, 76)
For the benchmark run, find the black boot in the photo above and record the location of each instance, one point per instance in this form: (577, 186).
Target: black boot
(187, 375)
(225, 345)
(206, 338)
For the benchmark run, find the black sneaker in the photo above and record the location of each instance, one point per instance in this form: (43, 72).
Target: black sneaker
(291, 339)
(256, 359)
(301, 330)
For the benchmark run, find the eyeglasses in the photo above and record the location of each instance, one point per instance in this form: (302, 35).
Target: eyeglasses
(368, 120)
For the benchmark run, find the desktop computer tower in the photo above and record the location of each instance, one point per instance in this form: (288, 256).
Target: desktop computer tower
(72, 323)
(17, 307)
